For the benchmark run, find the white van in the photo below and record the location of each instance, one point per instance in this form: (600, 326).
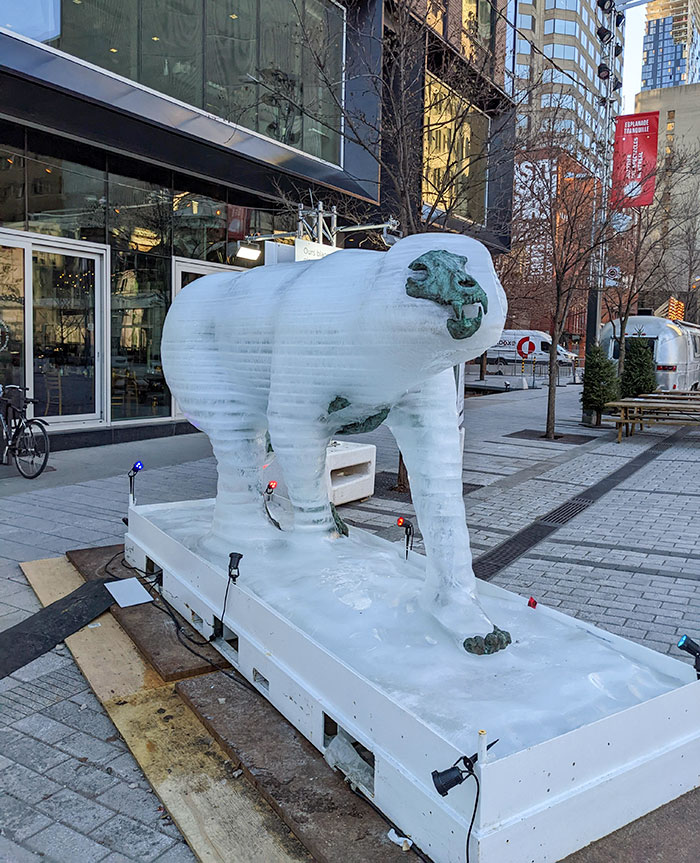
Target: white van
(675, 346)
(534, 343)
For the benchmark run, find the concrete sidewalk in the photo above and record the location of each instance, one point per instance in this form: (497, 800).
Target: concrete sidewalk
(630, 563)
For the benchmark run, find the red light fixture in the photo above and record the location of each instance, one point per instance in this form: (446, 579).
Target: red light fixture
(400, 521)
(532, 602)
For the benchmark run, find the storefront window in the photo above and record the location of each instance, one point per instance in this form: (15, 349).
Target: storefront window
(65, 199)
(140, 300)
(11, 189)
(274, 66)
(140, 215)
(199, 227)
(63, 299)
(11, 315)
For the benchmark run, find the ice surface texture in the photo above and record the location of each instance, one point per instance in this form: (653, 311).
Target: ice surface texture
(307, 350)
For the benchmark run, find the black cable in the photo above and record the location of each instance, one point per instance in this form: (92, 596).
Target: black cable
(476, 803)
(180, 633)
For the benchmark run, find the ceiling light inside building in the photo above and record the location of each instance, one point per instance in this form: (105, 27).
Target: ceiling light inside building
(113, 50)
(155, 38)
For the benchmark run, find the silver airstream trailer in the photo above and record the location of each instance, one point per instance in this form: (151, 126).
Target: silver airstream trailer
(674, 344)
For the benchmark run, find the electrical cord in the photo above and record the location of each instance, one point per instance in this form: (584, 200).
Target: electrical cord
(476, 804)
(180, 633)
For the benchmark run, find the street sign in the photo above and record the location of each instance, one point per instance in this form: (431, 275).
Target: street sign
(525, 347)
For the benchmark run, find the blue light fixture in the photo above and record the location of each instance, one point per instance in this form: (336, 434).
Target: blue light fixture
(138, 466)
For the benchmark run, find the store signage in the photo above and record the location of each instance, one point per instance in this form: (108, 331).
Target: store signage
(305, 250)
(634, 160)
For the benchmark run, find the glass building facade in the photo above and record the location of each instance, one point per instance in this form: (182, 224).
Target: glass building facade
(93, 247)
(671, 47)
(249, 62)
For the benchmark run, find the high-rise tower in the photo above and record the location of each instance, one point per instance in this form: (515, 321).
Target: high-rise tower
(671, 44)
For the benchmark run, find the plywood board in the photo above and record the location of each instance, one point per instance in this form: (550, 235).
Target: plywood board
(151, 630)
(221, 816)
(313, 800)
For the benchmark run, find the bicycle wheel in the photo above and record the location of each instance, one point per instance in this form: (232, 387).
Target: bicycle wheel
(30, 449)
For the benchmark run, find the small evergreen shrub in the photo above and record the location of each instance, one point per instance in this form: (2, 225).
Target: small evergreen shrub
(639, 373)
(600, 384)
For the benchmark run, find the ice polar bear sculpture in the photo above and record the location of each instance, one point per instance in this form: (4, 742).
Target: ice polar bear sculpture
(308, 350)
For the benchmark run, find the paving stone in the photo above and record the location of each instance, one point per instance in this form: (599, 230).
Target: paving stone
(82, 745)
(61, 843)
(43, 728)
(130, 837)
(74, 810)
(29, 752)
(179, 853)
(26, 784)
(71, 712)
(45, 664)
(18, 820)
(138, 803)
(83, 778)
(10, 852)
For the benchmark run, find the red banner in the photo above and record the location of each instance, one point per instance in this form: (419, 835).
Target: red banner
(634, 160)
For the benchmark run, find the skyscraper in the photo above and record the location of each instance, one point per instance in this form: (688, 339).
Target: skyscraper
(565, 32)
(671, 44)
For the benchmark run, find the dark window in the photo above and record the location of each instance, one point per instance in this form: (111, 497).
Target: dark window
(140, 300)
(140, 215)
(65, 199)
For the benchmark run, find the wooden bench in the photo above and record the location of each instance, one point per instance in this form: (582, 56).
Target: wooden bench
(653, 410)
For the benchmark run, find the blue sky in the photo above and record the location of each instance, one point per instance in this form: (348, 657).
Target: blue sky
(632, 73)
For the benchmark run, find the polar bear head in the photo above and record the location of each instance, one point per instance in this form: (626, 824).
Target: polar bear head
(442, 277)
(449, 289)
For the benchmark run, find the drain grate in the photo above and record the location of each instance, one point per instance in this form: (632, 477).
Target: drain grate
(568, 510)
(498, 558)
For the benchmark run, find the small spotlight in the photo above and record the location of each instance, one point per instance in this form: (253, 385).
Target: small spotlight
(606, 5)
(234, 560)
(618, 49)
(138, 465)
(445, 780)
(408, 531)
(686, 643)
(272, 485)
(603, 71)
(532, 602)
(604, 34)
(619, 18)
(248, 252)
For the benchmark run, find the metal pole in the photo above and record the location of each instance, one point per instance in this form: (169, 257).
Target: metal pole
(595, 293)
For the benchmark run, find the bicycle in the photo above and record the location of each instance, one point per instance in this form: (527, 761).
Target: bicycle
(25, 440)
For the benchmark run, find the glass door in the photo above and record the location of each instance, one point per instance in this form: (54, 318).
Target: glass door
(14, 269)
(66, 311)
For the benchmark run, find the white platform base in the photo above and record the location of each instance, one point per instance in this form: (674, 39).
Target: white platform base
(594, 731)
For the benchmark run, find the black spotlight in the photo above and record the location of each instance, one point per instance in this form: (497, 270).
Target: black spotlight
(234, 560)
(617, 84)
(445, 780)
(604, 34)
(603, 72)
(618, 49)
(606, 5)
(619, 18)
(685, 642)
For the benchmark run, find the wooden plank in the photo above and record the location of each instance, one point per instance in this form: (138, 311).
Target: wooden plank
(152, 631)
(221, 816)
(313, 800)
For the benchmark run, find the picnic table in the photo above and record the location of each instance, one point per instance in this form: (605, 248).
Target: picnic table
(655, 408)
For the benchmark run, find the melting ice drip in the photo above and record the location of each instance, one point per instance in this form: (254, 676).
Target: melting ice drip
(308, 350)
